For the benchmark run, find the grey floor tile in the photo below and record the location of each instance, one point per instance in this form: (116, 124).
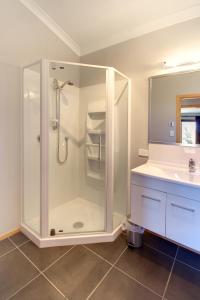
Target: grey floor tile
(5, 246)
(15, 271)
(118, 286)
(156, 242)
(38, 289)
(18, 238)
(184, 283)
(110, 251)
(77, 273)
(148, 266)
(189, 257)
(43, 257)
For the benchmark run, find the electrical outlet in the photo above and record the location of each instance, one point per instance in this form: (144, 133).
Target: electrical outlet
(143, 152)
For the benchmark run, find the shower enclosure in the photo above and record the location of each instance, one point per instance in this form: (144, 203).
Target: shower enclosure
(75, 153)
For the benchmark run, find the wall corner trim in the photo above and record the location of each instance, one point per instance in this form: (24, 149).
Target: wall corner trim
(35, 9)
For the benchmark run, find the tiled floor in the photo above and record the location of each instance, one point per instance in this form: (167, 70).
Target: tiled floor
(108, 271)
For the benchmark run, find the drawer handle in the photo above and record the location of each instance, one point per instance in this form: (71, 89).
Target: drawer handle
(183, 207)
(150, 198)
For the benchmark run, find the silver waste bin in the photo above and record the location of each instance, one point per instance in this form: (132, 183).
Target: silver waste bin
(134, 236)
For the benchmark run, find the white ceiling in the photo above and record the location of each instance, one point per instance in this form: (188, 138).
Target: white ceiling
(30, 30)
(90, 25)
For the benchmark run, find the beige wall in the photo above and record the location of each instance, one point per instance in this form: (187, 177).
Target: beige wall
(9, 147)
(25, 39)
(140, 58)
(41, 43)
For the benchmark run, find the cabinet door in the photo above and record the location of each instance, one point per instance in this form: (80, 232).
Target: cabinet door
(148, 208)
(183, 221)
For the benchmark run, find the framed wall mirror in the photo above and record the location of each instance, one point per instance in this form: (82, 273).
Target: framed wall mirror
(174, 108)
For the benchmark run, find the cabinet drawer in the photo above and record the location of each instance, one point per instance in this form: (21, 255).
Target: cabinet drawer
(183, 221)
(148, 208)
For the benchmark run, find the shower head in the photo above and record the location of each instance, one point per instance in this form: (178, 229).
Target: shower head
(60, 87)
(68, 82)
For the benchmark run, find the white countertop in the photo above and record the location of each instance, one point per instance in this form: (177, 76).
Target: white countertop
(177, 174)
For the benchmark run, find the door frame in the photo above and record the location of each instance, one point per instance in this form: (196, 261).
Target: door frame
(179, 99)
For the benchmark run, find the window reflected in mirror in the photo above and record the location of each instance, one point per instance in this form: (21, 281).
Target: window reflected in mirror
(188, 119)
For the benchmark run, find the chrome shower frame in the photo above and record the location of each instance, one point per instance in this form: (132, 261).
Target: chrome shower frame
(110, 233)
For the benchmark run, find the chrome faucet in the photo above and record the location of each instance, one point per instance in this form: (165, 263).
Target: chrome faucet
(192, 165)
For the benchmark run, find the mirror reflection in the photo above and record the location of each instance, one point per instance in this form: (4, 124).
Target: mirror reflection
(174, 109)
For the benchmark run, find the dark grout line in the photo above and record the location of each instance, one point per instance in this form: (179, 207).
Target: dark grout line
(139, 282)
(172, 257)
(109, 270)
(40, 273)
(104, 259)
(53, 285)
(19, 290)
(23, 243)
(119, 269)
(149, 246)
(11, 250)
(131, 277)
(124, 250)
(170, 274)
(18, 246)
(191, 267)
(104, 277)
(4, 254)
(55, 261)
(98, 255)
(99, 283)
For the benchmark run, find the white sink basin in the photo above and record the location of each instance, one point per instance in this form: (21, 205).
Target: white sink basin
(169, 173)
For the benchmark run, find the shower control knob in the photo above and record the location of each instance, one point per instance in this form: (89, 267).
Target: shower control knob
(54, 124)
(38, 138)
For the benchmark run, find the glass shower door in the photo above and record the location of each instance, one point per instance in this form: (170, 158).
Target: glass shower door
(121, 160)
(31, 146)
(77, 147)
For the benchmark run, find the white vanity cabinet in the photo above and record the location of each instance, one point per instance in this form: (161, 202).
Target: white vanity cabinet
(183, 221)
(148, 208)
(169, 209)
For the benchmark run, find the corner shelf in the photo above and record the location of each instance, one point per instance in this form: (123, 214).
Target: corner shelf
(95, 176)
(97, 112)
(93, 157)
(96, 131)
(94, 145)
(95, 142)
